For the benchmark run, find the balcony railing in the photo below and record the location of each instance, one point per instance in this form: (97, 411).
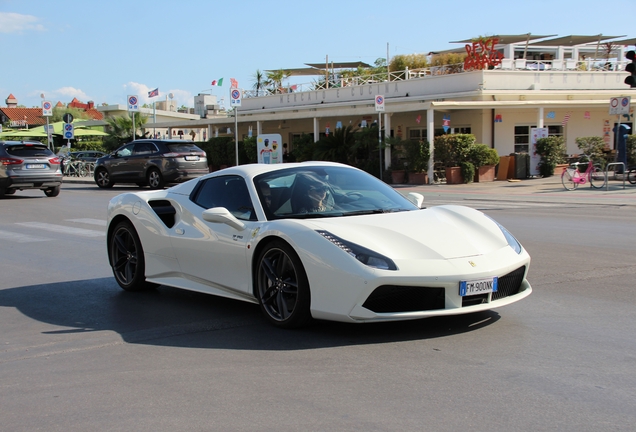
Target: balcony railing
(336, 81)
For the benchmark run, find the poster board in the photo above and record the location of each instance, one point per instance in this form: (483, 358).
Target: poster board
(269, 149)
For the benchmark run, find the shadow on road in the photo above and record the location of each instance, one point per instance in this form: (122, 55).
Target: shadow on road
(172, 317)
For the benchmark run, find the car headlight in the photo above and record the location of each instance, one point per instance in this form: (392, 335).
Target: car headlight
(362, 254)
(512, 241)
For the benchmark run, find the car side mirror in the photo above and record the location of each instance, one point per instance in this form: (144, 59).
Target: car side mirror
(223, 215)
(416, 198)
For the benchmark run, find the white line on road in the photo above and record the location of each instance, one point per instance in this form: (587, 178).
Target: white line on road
(21, 238)
(100, 222)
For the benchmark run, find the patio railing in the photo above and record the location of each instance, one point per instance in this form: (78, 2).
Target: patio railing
(336, 81)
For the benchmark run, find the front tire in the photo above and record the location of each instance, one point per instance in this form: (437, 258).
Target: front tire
(127, 258)
(597, 178)
(282, 287)
(102, 178)
(155, 179)
(568, 180)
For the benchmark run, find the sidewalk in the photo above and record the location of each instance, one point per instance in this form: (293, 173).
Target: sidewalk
(540, 189)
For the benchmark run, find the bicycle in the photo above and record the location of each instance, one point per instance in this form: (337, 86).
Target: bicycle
(572, 177)
(75, 168)
(631, 176)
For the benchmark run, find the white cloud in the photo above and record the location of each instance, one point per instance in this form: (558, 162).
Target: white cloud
(180, 97)
(70, 93)
(17, 23)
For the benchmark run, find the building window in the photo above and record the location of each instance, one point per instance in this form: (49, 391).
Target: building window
(522, 136)
(421, 133)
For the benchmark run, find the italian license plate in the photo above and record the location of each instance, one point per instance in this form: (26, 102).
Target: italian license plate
(480, 286)
(192, 158)
(36, 166)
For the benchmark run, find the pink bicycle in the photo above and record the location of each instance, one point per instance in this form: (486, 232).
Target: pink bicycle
(572, 177)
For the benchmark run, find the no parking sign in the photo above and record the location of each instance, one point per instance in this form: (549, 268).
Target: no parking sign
(379, 103)
(47, 109)
(133, 103)
(69, 131)
(235, 97)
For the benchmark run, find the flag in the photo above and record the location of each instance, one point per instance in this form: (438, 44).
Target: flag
(418, 119)
(218, 83)
(565, 119)
(233, 83)
(153, 93)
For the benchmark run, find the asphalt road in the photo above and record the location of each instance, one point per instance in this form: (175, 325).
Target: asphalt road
(77, 353)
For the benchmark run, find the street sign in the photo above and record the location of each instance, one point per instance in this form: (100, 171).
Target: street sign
(49, 130)
(235, 97)
(69, 131)
(133, 103)
(68, 118)
(379, 103)
(620, 105)
(47, 109)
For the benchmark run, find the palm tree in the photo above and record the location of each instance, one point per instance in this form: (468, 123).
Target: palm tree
(275, 80)
(120, 130)
(337, 147)
(258, 81)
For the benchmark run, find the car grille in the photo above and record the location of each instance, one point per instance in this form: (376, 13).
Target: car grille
(392, 299)
(509, 284)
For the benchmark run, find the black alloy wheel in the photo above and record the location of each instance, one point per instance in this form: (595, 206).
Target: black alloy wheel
(282, 287)
(102, 178)
(127, 258)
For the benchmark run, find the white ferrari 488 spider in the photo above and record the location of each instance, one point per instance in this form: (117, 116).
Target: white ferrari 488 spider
(315, 240)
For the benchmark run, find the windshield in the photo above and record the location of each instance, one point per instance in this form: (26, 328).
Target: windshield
(318, 191)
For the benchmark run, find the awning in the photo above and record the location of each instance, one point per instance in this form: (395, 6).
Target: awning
(574, 40)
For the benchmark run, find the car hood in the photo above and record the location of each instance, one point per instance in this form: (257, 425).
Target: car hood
(443, 232)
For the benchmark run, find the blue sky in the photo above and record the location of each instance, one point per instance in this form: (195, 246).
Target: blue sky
(105, 50)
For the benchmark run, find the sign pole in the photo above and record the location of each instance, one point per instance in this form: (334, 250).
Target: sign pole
(236, 133)
(48, 134)
(133, 119)
(380, 141)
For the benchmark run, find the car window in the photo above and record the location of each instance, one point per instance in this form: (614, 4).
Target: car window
(318, 191)
(183, 148)
(229, 192)
(29, 150)
(144, 148)
(125, 151)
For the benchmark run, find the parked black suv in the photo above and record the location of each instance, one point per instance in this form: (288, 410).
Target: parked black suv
(28, 165)
(151, 162)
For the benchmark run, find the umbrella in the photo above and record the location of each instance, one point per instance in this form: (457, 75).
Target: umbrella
(25, 133)
(89, 132)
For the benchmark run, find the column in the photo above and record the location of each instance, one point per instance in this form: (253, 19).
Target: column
(430, 136)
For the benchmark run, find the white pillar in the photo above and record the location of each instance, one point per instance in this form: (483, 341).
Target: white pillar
(430, 136)
(259, 128)
(540, 119)
(387, 134)
(316, 129)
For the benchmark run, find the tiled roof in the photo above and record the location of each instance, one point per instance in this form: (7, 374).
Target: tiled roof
(95, 115)
(33, 115)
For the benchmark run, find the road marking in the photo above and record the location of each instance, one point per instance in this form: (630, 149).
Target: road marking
(62, 229)
(21, 238)
(100, 222)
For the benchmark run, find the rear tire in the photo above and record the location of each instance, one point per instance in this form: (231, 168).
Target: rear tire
(102, 178)
(155, 179)
(631, 176)
(52, 192)
(597, 178)
(126, 256)
(567, 179)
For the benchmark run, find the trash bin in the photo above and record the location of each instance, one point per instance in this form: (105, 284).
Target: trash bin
(522, 165)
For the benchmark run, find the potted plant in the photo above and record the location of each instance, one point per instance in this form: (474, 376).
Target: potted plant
(398, 173)
(418, 154)
(552, 152)
(485, 159)
(451, 150)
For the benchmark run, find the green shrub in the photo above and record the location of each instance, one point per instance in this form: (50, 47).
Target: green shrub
(631, 150)
(593, 147)
(417, 154)
(552, 152)
(453, 149)
(482, 155)
(468, 171)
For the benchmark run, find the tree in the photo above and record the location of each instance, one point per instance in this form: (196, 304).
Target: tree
(259, 81)
(77, 113)
(275, 80)
(120, 130)
(338, 146)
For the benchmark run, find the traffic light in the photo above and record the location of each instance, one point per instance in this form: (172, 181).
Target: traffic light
(631, 68)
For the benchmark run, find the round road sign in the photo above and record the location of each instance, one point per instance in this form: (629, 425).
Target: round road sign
(47, 105)
(132, 100)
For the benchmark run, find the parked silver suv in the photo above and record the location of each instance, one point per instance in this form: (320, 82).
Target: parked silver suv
(29, 165)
